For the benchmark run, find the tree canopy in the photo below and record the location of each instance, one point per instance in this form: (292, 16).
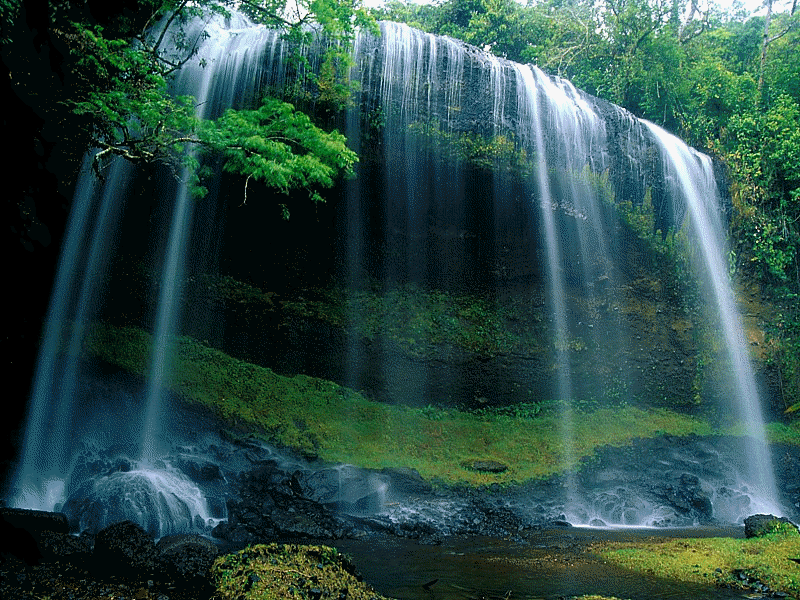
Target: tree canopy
(119, 62)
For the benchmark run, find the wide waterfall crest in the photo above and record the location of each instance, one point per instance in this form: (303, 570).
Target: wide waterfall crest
(429, 93)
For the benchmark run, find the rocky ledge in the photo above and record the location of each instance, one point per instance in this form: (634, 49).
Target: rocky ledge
(662, 482)
(40, 558)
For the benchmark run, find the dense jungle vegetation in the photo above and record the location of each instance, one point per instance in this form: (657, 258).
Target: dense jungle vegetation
(726, 81)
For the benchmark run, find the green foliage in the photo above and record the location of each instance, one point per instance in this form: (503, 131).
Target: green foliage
(278, 146)
(784, 433)
(275, 571)
(125, 97)
(521, 410)
(330, 27)
(497, 153)
(119, 92)
(713, 560)
(228, 288)
(9, 11)
(417, 320)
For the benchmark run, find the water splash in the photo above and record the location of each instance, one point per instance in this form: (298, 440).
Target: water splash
(162, 500)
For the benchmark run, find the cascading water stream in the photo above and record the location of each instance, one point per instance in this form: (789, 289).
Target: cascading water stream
(48, 445)
(147, 490)
(693, 174)
(528, 93)
(232, 53)
(572, 145)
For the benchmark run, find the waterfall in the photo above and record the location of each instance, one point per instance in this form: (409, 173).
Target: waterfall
(692, 175)
(54, 410)
(226, 72)
(490, 176)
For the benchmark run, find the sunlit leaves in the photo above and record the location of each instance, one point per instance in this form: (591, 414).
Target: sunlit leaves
(123, 97)
(278, 146)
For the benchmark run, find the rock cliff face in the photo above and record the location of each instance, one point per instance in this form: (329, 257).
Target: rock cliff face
(467, 161)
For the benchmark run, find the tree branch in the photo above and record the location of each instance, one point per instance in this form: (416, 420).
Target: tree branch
(164, 29)
(246, 181)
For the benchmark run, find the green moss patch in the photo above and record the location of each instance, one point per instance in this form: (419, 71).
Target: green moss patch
(784, 433)
(278, 571)
(420, 321)
(323, 419)
(718, 561)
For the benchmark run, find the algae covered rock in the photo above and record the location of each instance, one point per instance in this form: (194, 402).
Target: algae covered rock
(289, 571)
(761, 525)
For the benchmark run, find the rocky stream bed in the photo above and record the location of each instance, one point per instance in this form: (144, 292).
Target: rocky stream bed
(412, 539)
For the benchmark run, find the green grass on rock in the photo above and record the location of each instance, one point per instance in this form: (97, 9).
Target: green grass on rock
(320, 418)
(717, 561)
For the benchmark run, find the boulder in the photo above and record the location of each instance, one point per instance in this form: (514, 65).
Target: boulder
(201, 470)
(125, 549)
(34, 521)
(65, 547)
(187, 559)
(22, 532)
(344, 488)
(687, 496)
(272, 504)
(761, 525)
(407, 481)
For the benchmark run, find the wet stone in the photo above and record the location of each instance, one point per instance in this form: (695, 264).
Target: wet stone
(484, 466)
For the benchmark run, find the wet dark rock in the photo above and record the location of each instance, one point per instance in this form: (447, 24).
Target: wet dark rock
(68, 571)
(687, 495)
(187, 559)
(34, 521)
(675, 476)
(344, 488)
(23, 531)
(786, 462)
(407, 481)
(484, 466)
(125, 549)
(65, 547)
(272, 504)
(201, 470)
(15, 541)
(761, 525)
(560, 523)
(680, 476)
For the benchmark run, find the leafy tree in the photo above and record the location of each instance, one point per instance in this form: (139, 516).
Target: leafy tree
(120, 72)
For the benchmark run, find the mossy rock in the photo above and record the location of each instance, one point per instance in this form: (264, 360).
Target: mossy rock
(761, 525)
(276, 571)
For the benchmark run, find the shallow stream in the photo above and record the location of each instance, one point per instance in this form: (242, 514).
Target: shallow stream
(547, 565)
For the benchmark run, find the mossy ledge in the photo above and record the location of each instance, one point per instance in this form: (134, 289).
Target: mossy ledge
(320, 418)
